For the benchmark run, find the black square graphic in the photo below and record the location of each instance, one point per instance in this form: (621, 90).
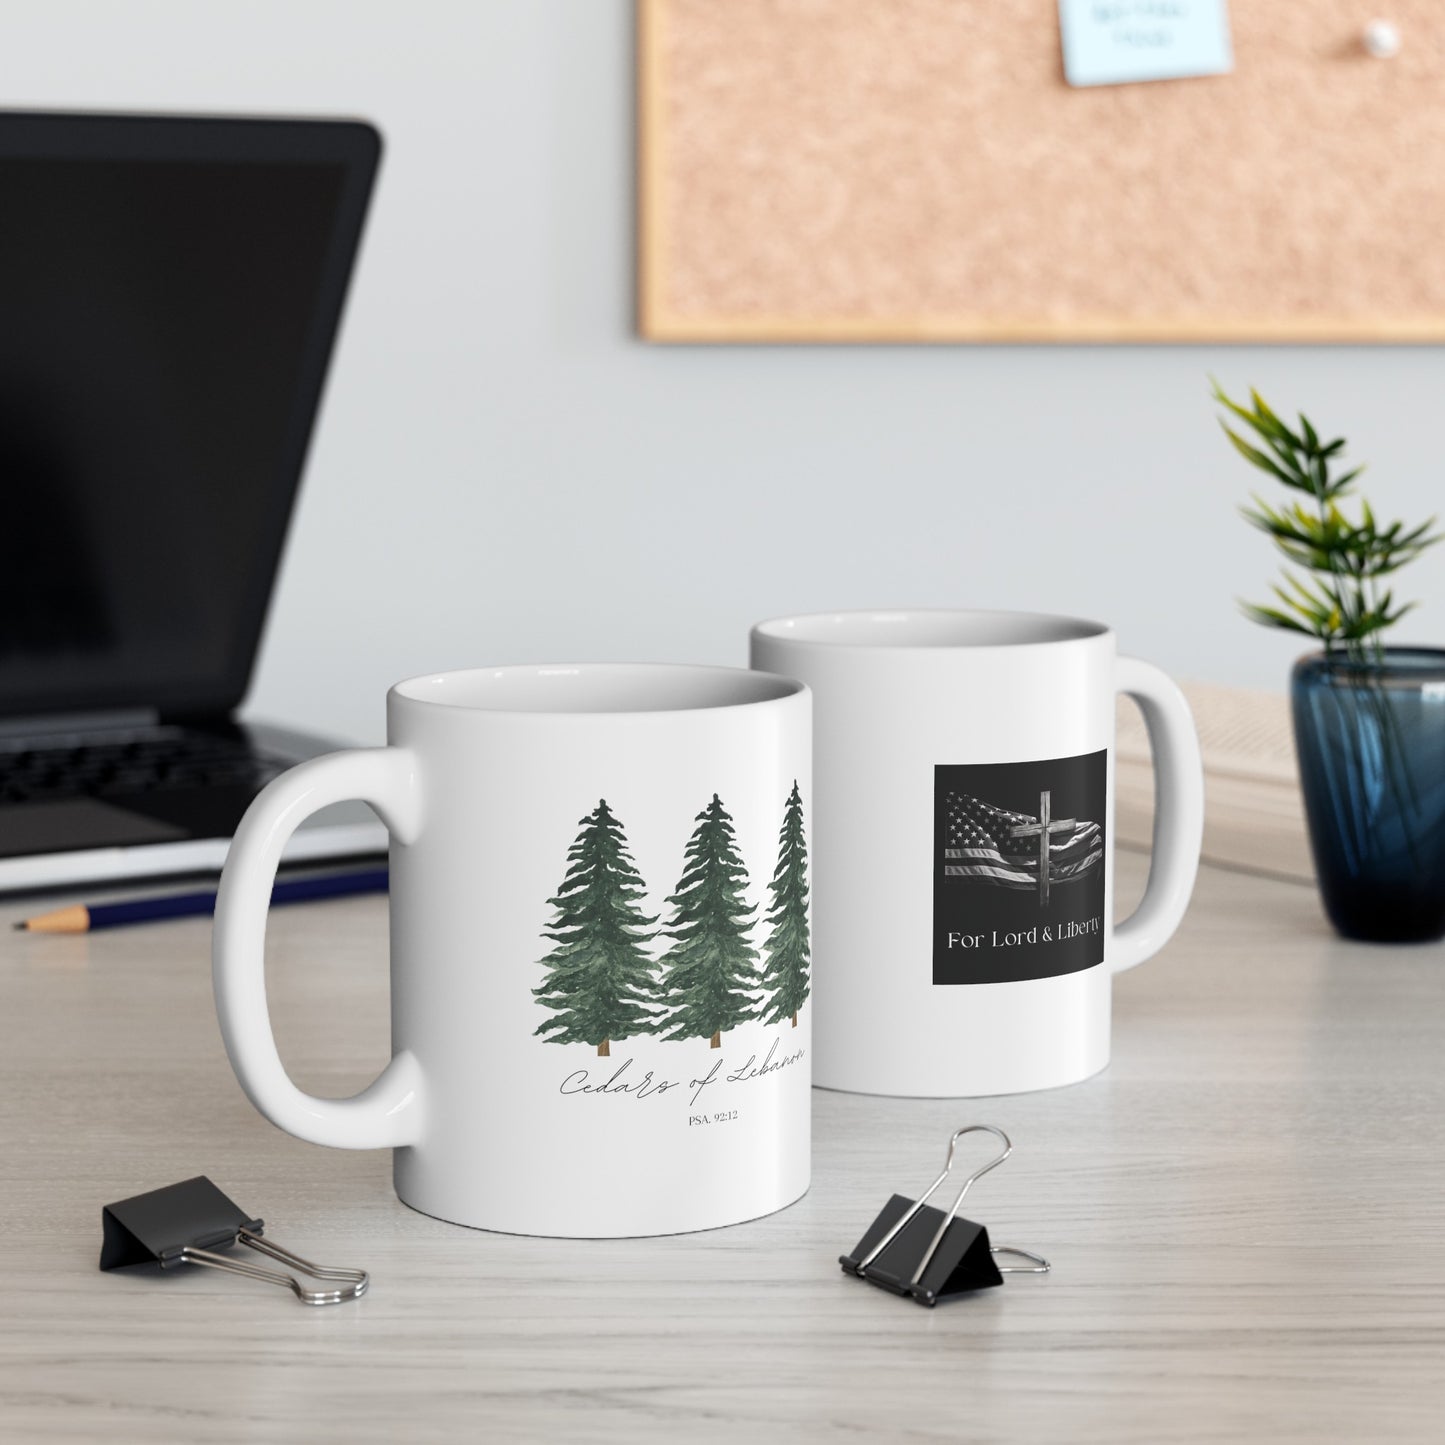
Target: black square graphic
(999, 914)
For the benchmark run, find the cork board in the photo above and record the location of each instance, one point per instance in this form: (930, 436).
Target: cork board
(919, 170)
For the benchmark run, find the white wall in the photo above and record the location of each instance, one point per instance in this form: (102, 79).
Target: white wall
(504, 473)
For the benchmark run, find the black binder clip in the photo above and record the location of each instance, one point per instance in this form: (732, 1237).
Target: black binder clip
(916, 1250)
(187, 1223)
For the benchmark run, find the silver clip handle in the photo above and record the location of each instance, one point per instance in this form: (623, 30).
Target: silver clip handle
(1040, 1264)
(356, 1280)
(993, 1163)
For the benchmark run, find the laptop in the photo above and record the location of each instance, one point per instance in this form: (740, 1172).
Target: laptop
(170, 290)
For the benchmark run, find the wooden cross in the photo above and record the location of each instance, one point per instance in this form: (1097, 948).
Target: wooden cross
(1043, 828)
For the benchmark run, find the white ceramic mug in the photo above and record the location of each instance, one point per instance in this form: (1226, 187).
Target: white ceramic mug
(599, 947)
(964, 767)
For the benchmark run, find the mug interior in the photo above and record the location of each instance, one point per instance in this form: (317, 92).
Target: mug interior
(930, 628)
(597, 687)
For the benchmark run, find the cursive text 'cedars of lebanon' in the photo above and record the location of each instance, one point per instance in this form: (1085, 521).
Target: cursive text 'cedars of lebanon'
(621, 1082)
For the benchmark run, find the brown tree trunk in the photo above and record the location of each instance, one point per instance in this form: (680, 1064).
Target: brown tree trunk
(716, 1040)
(604, 1049)
(795, 1018)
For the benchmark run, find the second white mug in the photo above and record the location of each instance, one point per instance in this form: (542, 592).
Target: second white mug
(963, 821)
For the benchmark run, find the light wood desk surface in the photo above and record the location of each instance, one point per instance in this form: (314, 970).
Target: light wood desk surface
(1246, 1216)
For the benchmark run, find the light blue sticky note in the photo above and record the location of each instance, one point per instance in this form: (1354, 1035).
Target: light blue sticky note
(1109, 42)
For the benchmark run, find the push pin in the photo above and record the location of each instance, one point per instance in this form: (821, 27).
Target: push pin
(187, 1223)
(916, 1250)
(1381, 39)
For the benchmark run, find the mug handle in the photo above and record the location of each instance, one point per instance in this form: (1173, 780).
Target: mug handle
(391, 1111)
(1178, 813)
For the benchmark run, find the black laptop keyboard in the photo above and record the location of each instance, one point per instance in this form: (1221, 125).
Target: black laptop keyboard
(116, 766)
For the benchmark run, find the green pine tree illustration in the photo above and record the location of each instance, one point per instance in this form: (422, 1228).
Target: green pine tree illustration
(787, 951)
(599, 976)
(710, 971)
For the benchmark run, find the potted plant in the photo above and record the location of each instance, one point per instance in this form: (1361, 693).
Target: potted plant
(1369, 719)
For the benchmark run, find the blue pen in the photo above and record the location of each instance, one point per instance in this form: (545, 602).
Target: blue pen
(81, 919)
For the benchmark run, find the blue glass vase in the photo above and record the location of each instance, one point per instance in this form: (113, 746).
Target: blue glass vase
(1371, 743)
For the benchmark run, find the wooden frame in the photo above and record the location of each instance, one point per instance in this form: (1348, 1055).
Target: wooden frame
(1400, 315)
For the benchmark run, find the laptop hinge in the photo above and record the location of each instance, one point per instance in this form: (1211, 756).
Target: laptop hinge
(78, 722)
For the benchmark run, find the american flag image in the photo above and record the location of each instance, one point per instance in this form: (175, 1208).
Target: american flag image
(981, 843)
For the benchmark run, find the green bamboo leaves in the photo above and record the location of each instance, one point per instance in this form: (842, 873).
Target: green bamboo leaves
(1341, 601)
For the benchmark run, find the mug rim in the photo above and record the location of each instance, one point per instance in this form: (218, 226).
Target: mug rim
(749, 688)
(810, 629)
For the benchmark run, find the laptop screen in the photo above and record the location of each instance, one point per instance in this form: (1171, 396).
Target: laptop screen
(169, 291)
